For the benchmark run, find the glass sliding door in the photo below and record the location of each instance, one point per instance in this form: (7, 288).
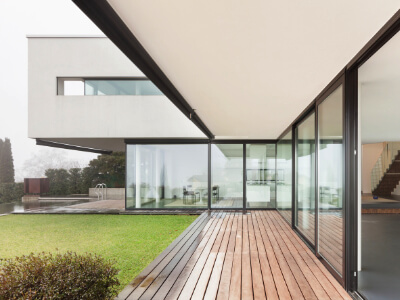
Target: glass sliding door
(227, 175)
(305, 178)
(330, 179)
(260, 176)
(284, 176)
(167, 176)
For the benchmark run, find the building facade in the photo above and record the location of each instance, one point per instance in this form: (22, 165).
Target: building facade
(226, 127)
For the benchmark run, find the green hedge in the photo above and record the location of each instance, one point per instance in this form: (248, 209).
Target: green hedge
(11, 192)
(60, 276)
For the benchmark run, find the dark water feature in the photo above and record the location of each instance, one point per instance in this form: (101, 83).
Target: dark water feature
(7, 208)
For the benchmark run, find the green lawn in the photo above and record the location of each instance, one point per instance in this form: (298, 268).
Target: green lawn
(133, 241)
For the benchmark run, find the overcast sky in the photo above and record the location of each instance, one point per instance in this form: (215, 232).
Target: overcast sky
(17, 20)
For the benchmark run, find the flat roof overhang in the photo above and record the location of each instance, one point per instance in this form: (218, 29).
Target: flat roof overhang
(239, 69)
(62, 145)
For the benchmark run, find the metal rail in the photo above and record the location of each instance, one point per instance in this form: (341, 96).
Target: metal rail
(99, 190)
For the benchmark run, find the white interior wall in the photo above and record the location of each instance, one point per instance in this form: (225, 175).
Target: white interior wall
(396, 190)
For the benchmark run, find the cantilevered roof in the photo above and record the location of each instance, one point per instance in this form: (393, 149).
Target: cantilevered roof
(248, 68)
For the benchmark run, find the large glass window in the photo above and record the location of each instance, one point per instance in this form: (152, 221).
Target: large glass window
(284, 176)
(227, 175)
(305, 178)
(260, 175)
(330, 178)
(379, 173)
(167, 176)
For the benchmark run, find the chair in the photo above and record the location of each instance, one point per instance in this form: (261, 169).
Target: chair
(189, 187)
(215, 192)
(187, 194)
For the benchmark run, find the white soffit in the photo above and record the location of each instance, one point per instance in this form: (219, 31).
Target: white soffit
(249, 68)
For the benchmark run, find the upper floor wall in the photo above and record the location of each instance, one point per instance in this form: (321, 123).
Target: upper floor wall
(53, 115)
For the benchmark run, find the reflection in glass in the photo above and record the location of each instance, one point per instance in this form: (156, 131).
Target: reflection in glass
(305, 178)
(167, 176)
(284, 176)
(330, 179)
(121, 87)
(227, 175)
(260, 175)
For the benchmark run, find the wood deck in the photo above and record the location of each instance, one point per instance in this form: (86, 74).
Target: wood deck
(330, 234)
(227, 255)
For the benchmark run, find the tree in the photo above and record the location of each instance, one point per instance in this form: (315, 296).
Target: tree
(58, 181)
(47, 158)
(108, 169)
(10, 192)
(1, 155)
(7, 173)
(88, 179)
(74, 181)
(1, 146)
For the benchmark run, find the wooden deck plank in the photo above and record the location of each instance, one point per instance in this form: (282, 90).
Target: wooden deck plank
(289, 240)
(231, 255)
(256, 274)
(235, 288)
(314, 284)
(225, 280)
(158, 281)
(247, 282)
(202, 282)
(191, 281)
(185, 235)
(212, 288)
(279, 280)
(174, 255)
(181, 279)
(267, 277)
(330, 236)
(171, 280)
(284, 264)
(331, 279)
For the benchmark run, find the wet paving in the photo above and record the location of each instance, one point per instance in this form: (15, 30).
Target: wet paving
(53, 206)
(19, 207)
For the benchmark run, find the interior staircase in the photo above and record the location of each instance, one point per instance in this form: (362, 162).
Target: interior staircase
(385, 175)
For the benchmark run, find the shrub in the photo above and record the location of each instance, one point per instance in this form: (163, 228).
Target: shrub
(60, 276)
(10, 192)
(58, 181)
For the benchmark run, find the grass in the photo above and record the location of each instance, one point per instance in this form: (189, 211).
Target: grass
(133, 241)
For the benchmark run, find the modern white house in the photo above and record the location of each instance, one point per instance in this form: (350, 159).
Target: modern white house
(97, 100)
(241, 106)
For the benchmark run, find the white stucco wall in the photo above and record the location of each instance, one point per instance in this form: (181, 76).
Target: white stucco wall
(51, 116)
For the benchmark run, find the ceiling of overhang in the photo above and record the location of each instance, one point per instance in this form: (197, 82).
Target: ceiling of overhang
(108, 144)
(249, 68)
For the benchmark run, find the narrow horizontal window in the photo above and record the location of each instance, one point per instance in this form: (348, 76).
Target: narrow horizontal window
(96, 87)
